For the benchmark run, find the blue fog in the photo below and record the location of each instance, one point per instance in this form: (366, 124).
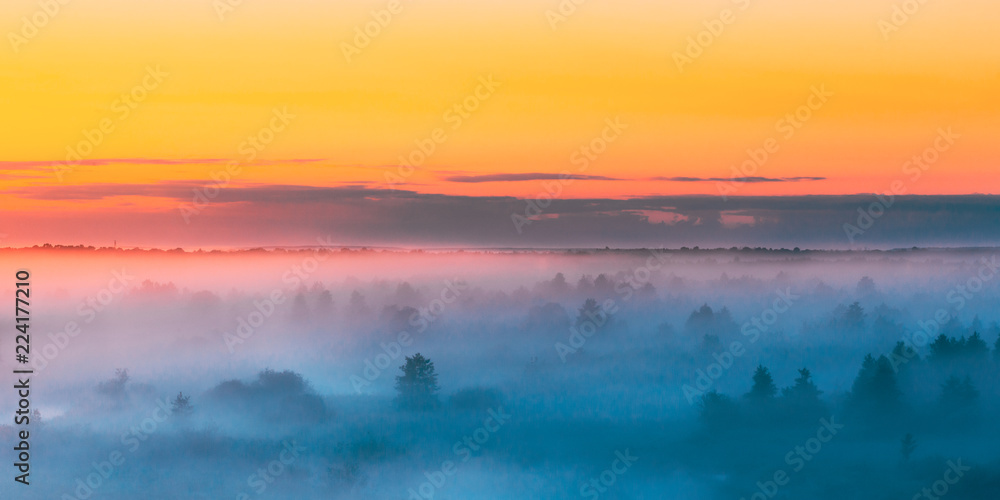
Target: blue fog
(559, 375)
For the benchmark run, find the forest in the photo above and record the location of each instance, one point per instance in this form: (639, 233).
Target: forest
(744, 374)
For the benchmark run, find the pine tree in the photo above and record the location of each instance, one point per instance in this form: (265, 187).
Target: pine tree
(181, 405)
(763, 385)
(357, 307)
(875, 388)
(116, 385)
(804, 389)
(866, 286)
(855, 316)
(958, 394)
(902, 354)
(969, 392)
(907, 446)
(592, 313)
(996, 351)
(943, 348)
(324, 302)
(884, 384)
(977, 325)
(716, 410)
(867, 371)
(417, 387)
(801, 401)
(701, 321)
(558, 285)
(975, 346)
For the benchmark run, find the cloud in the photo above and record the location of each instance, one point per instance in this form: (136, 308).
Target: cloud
(101, 191)
(184, 190)
(738, 179)
(526, 177)
(4, 165)
(36, 165)
(253, 215)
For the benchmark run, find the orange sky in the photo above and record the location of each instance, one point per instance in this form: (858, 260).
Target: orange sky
(203, 79)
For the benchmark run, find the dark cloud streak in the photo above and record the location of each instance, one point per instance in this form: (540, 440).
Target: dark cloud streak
(526, 177)
(738, 179)
(286, 214)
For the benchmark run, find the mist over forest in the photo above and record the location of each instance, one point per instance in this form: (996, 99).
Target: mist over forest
(612, 374)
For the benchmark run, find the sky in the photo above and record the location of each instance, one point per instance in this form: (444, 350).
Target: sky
(211, 118)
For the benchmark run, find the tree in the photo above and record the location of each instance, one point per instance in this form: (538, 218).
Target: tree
(705, 321)
(943, 348)
(854, 317)
(804, 389)
(406, 294)
(901, 355)
(953, 327)
(603, 286)
(417, 387)
(324, 302)
(181, 405)
(590, 312)
(975, 346)
(116, 385)
(977, 324)
(300, 309)
(700, 321)
(866, 286)
(357, 307)
(868, 367)
(875, 389)
(907, 446)
(801, 401)
(550, 316)
(716, 409)
(763, 385)
(996, 351)
(958, 394)
(558, 285)
(724, 322)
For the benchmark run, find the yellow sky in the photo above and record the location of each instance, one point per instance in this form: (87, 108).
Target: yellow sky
(226, 77)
